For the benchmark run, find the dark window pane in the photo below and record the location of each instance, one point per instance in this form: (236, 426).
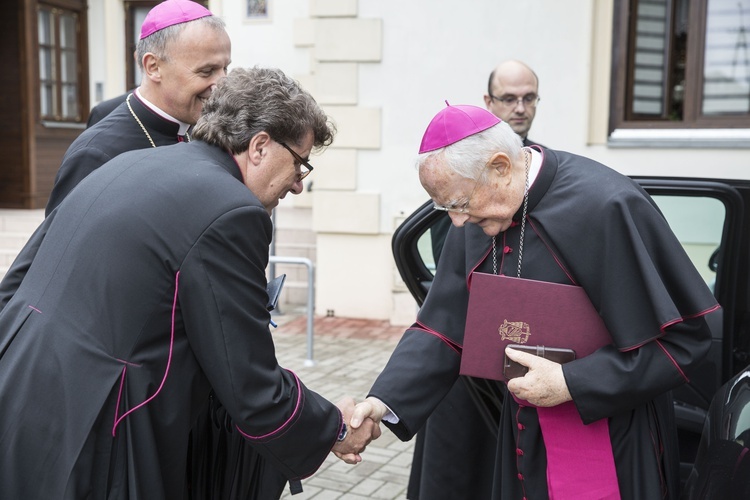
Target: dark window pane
(68, 32)
(649, 72)
(46, 64)
(69, 67)
(45, 27)
(46, 100)
(69, 102)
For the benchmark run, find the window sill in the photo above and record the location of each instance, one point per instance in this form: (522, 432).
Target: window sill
(726, 138)
(50, 124)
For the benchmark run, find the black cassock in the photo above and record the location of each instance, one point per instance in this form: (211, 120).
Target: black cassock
(114, 134)
(146, 291)
(590, 226)
(459, 423)
(224, 466)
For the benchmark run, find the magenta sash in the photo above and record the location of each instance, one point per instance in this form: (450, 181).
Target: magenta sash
(580, 462)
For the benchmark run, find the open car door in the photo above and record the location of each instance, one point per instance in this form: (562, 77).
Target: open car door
(710, 218)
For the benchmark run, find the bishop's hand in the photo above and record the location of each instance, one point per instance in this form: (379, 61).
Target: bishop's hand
(543, 385)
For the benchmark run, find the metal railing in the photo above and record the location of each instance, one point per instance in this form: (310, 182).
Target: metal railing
(275, 259)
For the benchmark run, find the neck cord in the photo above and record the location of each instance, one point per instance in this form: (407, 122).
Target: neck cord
(127, 100)
(153, 145)
(523, 223)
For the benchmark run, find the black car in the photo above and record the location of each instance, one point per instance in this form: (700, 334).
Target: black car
(711, 218)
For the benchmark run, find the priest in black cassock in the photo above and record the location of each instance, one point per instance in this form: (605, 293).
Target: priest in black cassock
(601, 426)
(147, 291)
(182, 51)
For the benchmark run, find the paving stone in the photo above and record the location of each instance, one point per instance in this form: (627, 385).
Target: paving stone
(348, 355)
(367, 487)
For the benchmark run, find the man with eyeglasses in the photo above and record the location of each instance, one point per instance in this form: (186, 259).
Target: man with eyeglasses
(512, 95)
(182, 50)
(147, 292)
(602, 425)
(460, 422)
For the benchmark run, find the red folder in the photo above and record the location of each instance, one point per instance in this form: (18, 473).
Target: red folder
(504, 310)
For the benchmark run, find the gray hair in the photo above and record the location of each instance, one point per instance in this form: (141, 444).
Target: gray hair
(253, 100)
(468, 157)
(158, 42)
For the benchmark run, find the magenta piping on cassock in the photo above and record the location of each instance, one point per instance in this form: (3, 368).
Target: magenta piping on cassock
(703, 313)
(739, 461)
(453, 345)
(468, 278)
(291, 417)
(690, 316)
(676, 365)
(673, 322)
(554, 255)
(166, 370)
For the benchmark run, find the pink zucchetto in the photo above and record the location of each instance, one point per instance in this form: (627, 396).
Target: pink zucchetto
(171, 12)
(454, 123)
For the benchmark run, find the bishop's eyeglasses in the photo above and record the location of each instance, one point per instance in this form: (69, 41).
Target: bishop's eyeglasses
(460, 209)
(511, 101)
(304, 165)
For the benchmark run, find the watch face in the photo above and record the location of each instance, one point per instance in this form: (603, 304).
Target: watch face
(342, 434)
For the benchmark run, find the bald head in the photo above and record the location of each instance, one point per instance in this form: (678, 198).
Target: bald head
(511, 70)
(512, 90)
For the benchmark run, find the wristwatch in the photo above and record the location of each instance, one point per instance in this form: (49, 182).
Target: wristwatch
(342, 434)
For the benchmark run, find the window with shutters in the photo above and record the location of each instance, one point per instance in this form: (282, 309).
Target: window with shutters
(59, 41)
(681, 64)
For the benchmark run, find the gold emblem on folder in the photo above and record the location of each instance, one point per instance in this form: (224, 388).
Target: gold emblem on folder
(515, 331)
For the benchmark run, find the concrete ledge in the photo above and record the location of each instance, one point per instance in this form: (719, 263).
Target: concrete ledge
(335, 83)
(337, 170)
(356, 40)
(357, 127)
(346, 212)
(333, 8)
(304, 32)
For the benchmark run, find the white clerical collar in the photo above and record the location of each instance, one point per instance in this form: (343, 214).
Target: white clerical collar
(536, 164)
(183, 126)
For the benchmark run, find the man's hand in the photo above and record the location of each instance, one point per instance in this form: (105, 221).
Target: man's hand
(372, 408)
(357, 437)
(544, 384)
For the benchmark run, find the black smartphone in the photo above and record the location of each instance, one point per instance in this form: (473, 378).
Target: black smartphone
(512, 369)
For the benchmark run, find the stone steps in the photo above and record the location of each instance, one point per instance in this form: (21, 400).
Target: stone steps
(16, 226)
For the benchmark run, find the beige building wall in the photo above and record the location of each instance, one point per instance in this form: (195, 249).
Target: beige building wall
(351, 251)
(382, 70)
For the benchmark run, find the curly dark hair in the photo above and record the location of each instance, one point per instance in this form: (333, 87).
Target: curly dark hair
(252, 100)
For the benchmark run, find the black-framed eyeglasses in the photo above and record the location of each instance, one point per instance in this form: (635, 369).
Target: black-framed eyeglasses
(302, 163)
(511, 101)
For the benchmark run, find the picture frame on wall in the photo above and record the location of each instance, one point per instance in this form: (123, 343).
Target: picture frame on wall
(258, 9)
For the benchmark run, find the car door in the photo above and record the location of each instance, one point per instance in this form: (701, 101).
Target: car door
(709, 217)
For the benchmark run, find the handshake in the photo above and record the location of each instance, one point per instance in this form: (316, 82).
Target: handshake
(363, 425)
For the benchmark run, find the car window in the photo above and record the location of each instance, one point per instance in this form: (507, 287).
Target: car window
(426, 249)
(697, 222)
